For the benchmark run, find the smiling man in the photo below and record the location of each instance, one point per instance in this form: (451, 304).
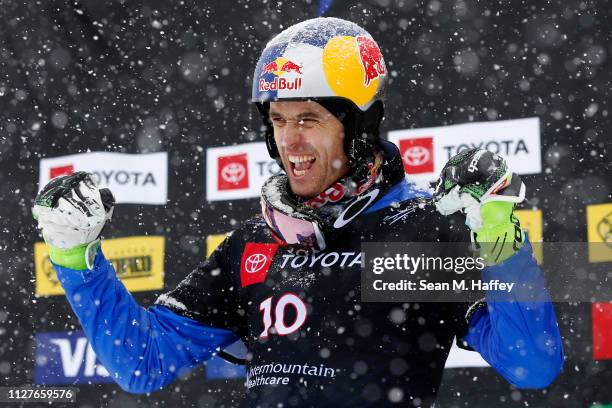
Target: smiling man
(287, 281)
(310, 144)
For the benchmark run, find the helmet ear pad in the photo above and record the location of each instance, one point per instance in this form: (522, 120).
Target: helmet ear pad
(360, 140)
(361, 128)
(264, 110)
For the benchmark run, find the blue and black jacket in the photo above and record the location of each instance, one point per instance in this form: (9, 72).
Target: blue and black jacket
(309, 337)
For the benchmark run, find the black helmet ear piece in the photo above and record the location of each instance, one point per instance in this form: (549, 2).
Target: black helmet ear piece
(264, 112)
(372, 118)
(361, 128)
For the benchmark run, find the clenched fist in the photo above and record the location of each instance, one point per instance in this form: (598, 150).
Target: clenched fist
(479, 183)
(71, 212)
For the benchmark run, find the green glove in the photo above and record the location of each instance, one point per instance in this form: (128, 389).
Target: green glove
(501, 235)
(80, 257)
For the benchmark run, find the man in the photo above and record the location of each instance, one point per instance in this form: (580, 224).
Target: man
(287, 282)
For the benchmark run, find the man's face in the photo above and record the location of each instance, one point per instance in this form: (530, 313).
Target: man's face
(310, 141)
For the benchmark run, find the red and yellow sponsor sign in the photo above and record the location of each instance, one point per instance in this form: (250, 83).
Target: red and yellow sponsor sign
(138, 262)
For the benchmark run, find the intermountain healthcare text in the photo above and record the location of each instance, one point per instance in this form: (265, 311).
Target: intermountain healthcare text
(256, 374)
(457, 285)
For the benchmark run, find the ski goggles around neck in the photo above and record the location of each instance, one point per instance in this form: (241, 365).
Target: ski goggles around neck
(291, 223)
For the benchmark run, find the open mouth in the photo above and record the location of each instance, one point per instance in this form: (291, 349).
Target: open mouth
(300, 164)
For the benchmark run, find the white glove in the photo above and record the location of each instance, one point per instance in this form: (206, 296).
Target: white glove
(71, 211)
(473, 178)
(455, 200)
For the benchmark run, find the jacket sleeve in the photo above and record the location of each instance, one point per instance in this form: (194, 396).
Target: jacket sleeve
(516, 332)
(142, 349)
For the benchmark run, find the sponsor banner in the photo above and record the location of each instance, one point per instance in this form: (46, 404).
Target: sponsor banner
(219, 369)
(425, 151)
(602, 327)
(133, 178)
(531, 221)
(67, 358)
(459, 357)
(213, 241)
(236, 172)
(138, 262)
(599, 229)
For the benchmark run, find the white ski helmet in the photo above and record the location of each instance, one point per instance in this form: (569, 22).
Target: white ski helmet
(333, 62)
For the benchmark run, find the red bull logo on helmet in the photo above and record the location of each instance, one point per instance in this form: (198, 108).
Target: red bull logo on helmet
(371, 59)
(279, 67)
(354, 68)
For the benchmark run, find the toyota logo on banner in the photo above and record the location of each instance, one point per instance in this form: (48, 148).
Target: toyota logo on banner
(417, 155)
(255, 262)
(233, 172)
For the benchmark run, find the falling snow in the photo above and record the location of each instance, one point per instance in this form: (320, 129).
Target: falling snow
(160, 76)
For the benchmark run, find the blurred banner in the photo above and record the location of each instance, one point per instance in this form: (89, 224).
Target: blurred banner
(138, 261)
(426, 151)
(133, 178)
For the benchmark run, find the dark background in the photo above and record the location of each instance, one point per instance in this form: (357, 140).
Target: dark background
(104, 75)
